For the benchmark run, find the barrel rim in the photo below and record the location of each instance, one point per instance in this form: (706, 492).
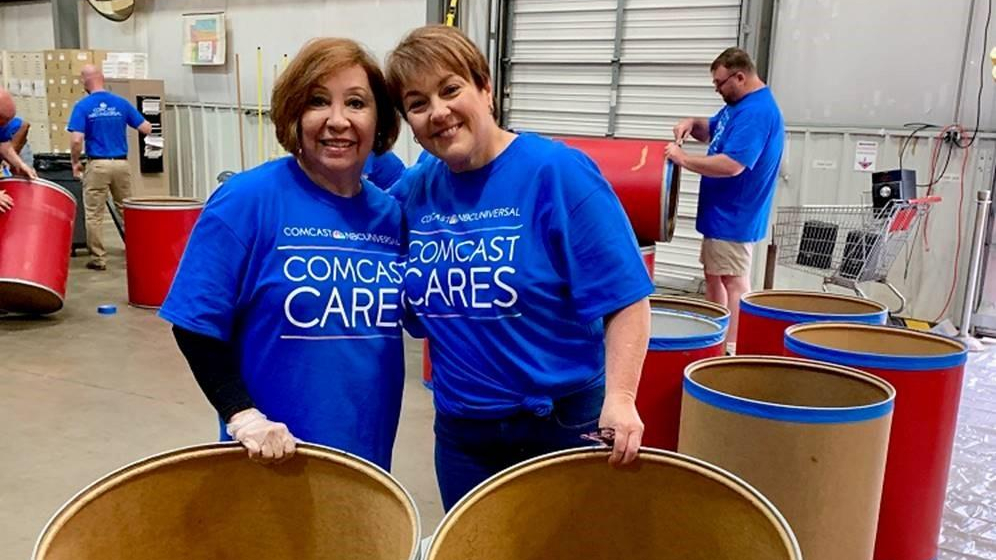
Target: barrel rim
(787, 412)
(111, 479)
(62, 300)
(718, 474)
(704, 303)
(807, 316)
(688, 342)
(873, 359)
(41, 182)
(164, 203)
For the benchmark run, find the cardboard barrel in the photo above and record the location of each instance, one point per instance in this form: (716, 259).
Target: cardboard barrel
(574, 505)
(676, 340)
(36, 238)
(158, 229)
(211, 501)
(646, 183)
(927, 372)
(810, 436)
(703, 308)
(764, 316)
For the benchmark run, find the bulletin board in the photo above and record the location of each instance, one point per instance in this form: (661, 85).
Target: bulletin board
(204, 39)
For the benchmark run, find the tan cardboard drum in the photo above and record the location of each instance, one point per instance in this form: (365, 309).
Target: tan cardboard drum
(810, 436)
(572, 505)
(212, 502)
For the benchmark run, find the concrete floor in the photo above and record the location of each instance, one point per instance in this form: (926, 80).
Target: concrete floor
(83, 394)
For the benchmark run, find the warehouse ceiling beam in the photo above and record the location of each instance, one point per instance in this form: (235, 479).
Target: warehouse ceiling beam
(66, 19)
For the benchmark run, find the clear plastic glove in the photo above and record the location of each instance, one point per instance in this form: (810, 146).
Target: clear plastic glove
(266, 441)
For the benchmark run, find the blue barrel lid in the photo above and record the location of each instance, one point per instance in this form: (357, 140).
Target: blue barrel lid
(673, 331)
(923, 351)
(754, 303)
(786, 412)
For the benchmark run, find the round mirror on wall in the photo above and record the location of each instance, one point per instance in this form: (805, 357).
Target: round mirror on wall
(115, 10)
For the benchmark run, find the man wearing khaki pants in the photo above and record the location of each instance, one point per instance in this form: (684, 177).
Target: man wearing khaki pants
(102, 120)
(746, 138)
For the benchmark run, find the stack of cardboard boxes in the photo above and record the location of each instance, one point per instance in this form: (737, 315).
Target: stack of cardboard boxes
(63, 88)
(24, 77)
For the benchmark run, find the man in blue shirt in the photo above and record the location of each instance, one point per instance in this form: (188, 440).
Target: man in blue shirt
(102, 118)
(739, 172)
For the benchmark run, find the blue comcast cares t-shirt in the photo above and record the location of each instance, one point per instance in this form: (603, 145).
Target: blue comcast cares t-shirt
(753, 134)
(103, 118)
(511, 268)
(307, 285)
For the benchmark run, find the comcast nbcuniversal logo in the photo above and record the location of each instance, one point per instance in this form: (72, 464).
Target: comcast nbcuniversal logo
(336, 234)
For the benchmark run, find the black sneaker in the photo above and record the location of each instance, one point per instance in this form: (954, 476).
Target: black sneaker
(93, 265)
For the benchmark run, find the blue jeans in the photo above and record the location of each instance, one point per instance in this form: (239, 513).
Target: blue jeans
(470, 451)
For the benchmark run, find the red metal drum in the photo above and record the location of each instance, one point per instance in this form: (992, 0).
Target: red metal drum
(693, 306)
(764, 316)
(646, 183)
(36, 238)
(676, 340)
(426, 365)
(157, 230)
(649, 254)
(927, 372)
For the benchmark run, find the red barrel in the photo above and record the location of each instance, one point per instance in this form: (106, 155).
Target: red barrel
(157, 230)
(426, 365)
(649, 254)
(764, 316)
(646, 183)
(36, 238)
(676, 340)
(927, 371)
(694, 306)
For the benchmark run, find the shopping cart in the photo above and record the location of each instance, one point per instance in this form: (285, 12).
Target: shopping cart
(848, 244)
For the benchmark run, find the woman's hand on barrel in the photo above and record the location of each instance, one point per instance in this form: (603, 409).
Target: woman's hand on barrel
(6, 202)
(266, 441)
(619, 413)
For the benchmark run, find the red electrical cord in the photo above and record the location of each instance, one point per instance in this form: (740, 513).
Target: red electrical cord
(961, 202)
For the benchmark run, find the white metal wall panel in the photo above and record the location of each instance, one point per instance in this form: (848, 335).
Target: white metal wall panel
(560, 81)
(560, 72)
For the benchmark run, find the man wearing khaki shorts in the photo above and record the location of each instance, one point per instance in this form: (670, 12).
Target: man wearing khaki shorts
(102, 120)
(739, 171)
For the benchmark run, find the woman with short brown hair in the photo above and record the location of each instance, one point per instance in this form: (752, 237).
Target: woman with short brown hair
(523, 271)
(287, 303)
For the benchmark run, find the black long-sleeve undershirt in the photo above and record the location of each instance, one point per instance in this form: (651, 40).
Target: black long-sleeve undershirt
(215, 367)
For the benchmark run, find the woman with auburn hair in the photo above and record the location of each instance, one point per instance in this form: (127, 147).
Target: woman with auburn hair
(287, 303)
(523, 271)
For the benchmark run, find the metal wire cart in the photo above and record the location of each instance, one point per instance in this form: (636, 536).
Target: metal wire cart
(848, 244)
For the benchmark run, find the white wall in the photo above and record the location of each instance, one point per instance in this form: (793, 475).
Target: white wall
(26, 26)
(205, 142)
(855, 66)
(879, 63)
(277, 28)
